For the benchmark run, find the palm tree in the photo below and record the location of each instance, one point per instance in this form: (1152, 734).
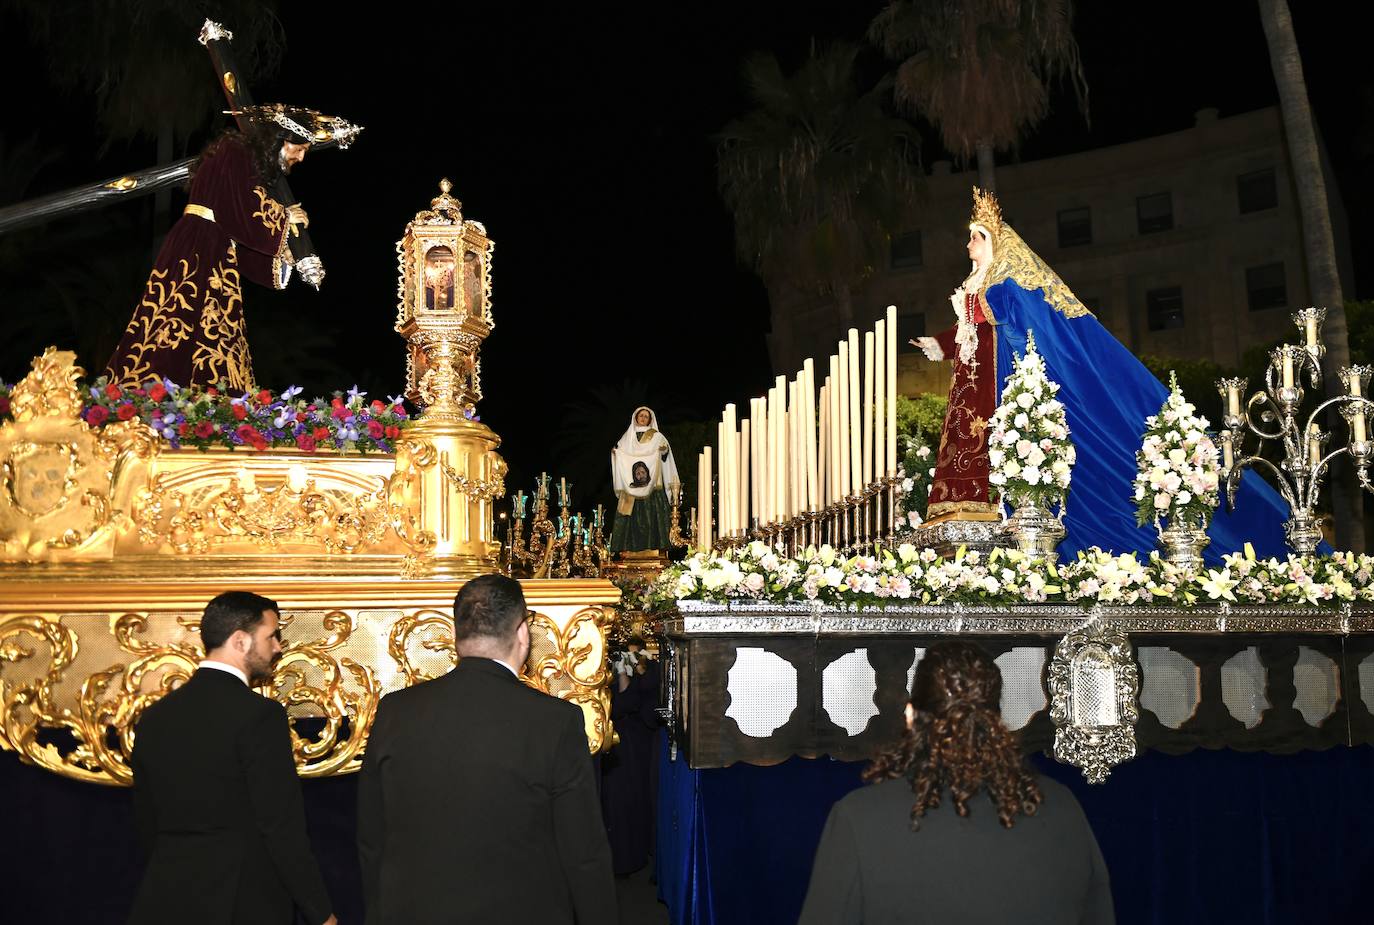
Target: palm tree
(980, 70)
(1319, 246)
(151, 79)
(818, 176)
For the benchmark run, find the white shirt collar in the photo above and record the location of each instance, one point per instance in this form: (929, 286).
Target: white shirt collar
(507, 667)
(221, 666)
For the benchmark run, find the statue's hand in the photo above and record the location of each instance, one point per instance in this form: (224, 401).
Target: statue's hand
(295, 214)
(930, 347)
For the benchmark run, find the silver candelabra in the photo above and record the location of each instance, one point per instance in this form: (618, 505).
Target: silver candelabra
(1273, 413)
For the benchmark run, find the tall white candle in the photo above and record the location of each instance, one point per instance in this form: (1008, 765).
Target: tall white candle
(868, 410)
(823, 443)
(1228, 457)
(761, 458)
(813, 485)
(880, 402)
(722, 481)
(780, 385)
(744, 456)
(1354, 382)
(792, 430)
(856, 472)
(843, 396)
(706, 506)
(1287, 369)
(891, 390)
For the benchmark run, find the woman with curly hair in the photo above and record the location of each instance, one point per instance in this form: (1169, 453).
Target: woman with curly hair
(917, 846)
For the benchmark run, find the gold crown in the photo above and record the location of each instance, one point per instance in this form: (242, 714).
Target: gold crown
(986, 212)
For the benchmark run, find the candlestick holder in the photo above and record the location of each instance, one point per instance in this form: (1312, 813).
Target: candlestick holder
(675, 537)
(557, 547)
(1273, 413)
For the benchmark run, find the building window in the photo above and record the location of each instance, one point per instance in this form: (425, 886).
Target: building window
(1075, 227)
(906, 251)
(1154, 212)
(1266, 287)
(910, 325)
(1256, 191)
(1164, 308)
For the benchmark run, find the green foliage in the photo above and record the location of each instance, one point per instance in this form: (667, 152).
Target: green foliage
(920, 419)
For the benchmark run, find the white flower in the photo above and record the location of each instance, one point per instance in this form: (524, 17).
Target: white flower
(1022, 421)
(1012, 469)
(754, 583)
(1036, 456)
(1025, 400)
(1184, 497)
(1031, 474)
(923, 452)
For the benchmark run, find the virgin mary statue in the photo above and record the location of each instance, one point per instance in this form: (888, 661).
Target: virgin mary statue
(642, 471)
(1106, 391)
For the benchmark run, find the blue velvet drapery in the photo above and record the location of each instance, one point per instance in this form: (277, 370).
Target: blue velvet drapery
(1107, 394)
(1207, 837)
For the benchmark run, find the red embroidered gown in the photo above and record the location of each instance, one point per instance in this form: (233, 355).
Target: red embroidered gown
(189, 325)
(960, 484)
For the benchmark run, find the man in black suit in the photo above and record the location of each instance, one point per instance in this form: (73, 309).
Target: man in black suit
(476, 801)
(215, 787)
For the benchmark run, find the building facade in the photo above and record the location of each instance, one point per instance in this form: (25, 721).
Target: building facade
(1186, 245)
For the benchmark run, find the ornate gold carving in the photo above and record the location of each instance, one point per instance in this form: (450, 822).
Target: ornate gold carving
(570, 662)
(57, 476)
(434, 631)
(265, 518)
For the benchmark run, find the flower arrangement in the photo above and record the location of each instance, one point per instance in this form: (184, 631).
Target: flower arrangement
(1177, 467)
(758, 572)
(198, 418)
(1030, 456)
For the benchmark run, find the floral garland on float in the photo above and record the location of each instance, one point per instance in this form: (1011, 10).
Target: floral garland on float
(1178, 474)
(204, 418)
(758, 573)
(1030, 456)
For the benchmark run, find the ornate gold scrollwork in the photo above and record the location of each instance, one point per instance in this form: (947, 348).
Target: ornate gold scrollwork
(334, 521)
(575, 667)
(30, 706)
(347, 709)
(440, 627)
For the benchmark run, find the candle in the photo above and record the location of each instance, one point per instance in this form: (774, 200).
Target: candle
(1357, 427)
(891, 430)
(1228, 457)
(701, 497)
(295, 477)
(708, 538)
(722, 483)
(780, 461)
(1354, 382)
(855, 421)
(1233, 400)
(759, 430)
(1287, 368)
(730, 470)
(599, 514)
(1314, 444)
(868, 410)
(843, 449)
(813, 485)
(1312, 329)
(880, 402)
(744, 457)
(823, 448)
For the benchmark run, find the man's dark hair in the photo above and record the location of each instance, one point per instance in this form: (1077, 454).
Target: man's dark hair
(491, 606)
(230, 612)
(263, 142)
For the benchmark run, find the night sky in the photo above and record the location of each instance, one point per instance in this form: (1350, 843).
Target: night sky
(581, 136)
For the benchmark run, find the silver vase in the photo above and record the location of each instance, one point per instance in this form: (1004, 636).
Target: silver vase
(1034, 531)
(1182, 544)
